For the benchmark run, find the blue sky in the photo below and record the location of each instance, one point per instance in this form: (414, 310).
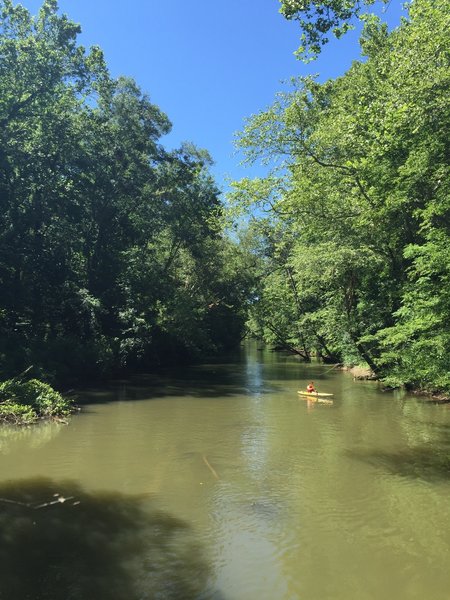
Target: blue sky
(208, 64)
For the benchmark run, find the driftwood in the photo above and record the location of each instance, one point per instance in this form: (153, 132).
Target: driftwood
(205, 460)
(58, 500)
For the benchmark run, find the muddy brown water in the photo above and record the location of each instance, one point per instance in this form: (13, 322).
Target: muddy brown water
(219, 482)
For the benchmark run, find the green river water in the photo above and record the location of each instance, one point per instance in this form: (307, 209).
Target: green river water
(218, 482)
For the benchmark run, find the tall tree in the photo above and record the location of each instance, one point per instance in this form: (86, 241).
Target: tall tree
(111, 248)
(362, 192)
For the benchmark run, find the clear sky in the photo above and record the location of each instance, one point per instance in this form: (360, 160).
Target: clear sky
(208, 64)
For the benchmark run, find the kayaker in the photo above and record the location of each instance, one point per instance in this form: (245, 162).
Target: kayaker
(310, 388)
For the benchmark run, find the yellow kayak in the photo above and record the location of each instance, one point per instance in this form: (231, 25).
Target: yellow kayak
(314, 394)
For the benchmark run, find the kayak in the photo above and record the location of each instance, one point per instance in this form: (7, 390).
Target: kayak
(314, 394)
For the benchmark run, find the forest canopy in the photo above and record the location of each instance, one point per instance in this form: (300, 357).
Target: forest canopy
(355, 245)
(112, 249)
(318, 18)
(114, 252)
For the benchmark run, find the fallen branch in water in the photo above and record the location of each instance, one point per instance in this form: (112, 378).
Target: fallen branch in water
(59, 500)
(205, 460)
(8, 501)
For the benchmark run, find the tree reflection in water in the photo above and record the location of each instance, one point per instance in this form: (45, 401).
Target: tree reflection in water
(430, 463)
(58, 542)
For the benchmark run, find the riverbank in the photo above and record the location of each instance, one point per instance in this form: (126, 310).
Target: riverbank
(26, 402)
(431, 397)
(361, 372)
(364, 373)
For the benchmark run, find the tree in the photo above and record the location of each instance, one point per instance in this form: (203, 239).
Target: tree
(45, 80)
(112, 249)
(318, 17)
(359, 185)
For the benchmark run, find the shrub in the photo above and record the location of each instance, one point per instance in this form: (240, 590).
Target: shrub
(26, 401)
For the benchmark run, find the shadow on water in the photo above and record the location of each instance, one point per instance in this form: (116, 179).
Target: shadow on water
(204, 381)
(420, 462)
(194, 382)
(58, 542)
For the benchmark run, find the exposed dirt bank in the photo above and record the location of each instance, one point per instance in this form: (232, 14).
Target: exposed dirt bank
(361, 373)
(434, 398)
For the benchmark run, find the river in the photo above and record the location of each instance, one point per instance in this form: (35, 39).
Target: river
(218, 482)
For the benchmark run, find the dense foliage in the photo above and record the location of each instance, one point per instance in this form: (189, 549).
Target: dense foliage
(319, 17)
(355, 250)
(112, 252)
(23, 402)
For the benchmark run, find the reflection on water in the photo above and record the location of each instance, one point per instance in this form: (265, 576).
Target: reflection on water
(218, 481)
(101, 546)
(33, 436)
(423, 462)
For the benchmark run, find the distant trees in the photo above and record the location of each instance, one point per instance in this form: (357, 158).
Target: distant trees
(112, 252)
(355, 252)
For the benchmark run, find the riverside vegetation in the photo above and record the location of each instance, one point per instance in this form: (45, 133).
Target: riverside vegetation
(354, 247)
(113, 255)
(114, 252)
